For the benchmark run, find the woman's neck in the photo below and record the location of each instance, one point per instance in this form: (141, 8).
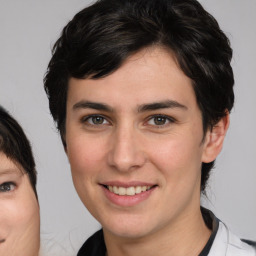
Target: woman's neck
(187, 235)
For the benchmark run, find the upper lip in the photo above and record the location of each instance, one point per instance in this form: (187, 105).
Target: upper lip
(127, 184)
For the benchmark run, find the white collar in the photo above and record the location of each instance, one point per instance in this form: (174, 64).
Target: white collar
(227, 244)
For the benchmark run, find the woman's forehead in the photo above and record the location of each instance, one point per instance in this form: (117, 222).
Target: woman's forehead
(9, 166)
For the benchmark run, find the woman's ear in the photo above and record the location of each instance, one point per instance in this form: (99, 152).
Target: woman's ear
(214, 139)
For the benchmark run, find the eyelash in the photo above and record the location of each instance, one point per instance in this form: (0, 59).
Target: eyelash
(85, 120)
(3, 187)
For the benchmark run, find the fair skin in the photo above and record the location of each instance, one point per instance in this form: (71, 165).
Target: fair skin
(19, 211)
(140, 128)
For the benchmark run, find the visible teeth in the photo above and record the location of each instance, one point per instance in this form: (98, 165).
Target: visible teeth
(130, 191)
(115, 190)
(122, 191)
(138, 190)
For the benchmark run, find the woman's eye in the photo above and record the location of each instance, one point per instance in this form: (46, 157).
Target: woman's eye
(160, 120)
(7, 187)
(96, 120)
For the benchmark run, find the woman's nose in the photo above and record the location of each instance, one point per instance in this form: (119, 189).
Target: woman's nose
(126, 150)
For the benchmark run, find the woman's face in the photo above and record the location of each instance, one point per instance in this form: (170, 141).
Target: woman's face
(19, 211)
(137, 129)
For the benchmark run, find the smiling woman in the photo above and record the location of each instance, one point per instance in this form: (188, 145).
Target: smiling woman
(19, 214)
(141, 91)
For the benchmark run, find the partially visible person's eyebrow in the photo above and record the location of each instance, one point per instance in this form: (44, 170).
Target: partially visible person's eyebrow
(93, 105)
(9, 171)
(161, 105)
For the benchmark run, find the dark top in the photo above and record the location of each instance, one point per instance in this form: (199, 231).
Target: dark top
(95, 245)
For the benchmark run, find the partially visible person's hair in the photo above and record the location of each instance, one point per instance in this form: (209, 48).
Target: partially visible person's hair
(15, 145)
(98, 40)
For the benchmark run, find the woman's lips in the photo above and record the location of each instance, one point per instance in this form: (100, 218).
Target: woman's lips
(2, 240)
(127, 194)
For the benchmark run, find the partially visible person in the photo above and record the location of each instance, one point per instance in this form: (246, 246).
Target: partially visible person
(19, 208)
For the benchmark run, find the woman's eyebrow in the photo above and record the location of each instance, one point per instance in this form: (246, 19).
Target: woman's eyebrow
(161, 105)
(142, 108)
(9, 171)
(93, 105)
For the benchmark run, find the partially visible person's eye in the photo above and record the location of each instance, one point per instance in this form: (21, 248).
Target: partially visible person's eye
(95, 120)
(7, 187)
(160, 120)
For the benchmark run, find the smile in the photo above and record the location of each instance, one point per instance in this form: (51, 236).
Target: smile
(130, 191)
(128, 194)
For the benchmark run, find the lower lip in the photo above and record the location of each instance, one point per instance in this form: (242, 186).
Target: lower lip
(127, 201)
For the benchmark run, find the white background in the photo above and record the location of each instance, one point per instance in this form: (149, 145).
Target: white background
(28, 30)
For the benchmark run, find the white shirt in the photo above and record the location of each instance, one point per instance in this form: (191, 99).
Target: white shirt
(227, 244)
